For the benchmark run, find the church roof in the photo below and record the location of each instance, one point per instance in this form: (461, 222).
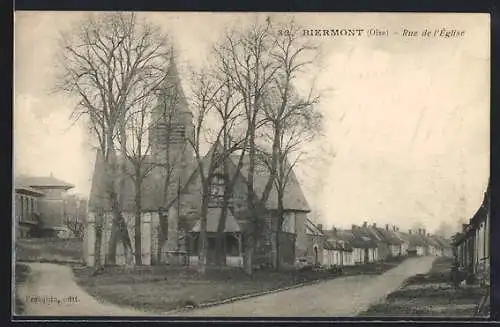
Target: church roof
(171, 91)
(294, 198)
(213, 218)
(153, 187)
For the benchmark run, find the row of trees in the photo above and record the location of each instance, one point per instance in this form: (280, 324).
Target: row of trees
(243, 101)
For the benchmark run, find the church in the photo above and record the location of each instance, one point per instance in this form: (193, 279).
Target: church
(171, 199)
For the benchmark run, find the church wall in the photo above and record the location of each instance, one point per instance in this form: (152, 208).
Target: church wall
(148, 243)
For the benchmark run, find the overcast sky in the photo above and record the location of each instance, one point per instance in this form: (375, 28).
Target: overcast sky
(407, 117)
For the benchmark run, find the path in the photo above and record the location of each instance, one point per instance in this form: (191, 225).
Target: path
(339, 297)
(345, 296)
(54, 284)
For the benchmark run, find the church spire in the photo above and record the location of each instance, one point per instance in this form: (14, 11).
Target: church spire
(172, 86)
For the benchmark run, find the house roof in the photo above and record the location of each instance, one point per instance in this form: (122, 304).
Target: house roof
(337, 241)
(312, 229)
(430, 240)
(416, 240)
(213, 218)
(333, 245)
(28, 190)
(444, 243)
(362, 239)
(482, 211)
(389, 236)
(42, 182)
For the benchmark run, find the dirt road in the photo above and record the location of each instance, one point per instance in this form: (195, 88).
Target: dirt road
(51, 290)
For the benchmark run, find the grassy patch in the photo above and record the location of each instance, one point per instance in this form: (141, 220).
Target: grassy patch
(164, 288)
(373, 268)
(49, 249)
(20, 274)
(407, 310)
(429, 295)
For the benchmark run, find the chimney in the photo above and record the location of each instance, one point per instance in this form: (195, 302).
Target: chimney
(386, 226)
(320, 227)
(409, 231)
(464, 227)
(334, 231)
(353, 226)
(393, 228)
(420, 231)
(365, 224)
(374, 225)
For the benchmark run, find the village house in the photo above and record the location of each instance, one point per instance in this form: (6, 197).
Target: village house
(404, 238)
(471, 247)
(391, 238)
(337, 250)
(311, 246)
(433, 247)
(170, 212)
(417, 245)
(446, 247)
(38, 205)
(364, 245)
(382, 245)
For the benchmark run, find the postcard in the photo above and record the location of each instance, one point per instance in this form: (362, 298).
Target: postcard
(219, 164)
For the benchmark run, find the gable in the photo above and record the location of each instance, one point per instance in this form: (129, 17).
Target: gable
(294, 198)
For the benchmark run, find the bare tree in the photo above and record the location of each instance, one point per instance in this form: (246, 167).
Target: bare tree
(75, 214)
(291, 120)
(244, 57)
(135, 146)
(211, 108)
(109, 63)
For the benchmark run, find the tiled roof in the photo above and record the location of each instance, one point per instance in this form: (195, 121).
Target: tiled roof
(27, 189)
(213, 218)
(389, 236)
(362, 239)
(294, 198)
(416, 240)
(42, 182)
(153, 186)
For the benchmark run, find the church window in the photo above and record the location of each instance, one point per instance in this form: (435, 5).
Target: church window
(217, 189)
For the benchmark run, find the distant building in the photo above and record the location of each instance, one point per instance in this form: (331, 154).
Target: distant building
(38, 204)
(471, 247)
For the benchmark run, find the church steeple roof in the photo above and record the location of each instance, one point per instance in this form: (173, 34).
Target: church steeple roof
(172, 87)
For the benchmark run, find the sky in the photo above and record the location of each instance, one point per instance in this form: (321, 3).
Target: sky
(407, 117)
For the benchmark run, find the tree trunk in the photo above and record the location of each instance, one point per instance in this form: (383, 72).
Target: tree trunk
(98, 239)
(202, 256)
(279, 226)
(138, 213)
